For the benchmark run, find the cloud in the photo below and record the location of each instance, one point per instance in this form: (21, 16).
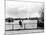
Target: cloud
(21, 9)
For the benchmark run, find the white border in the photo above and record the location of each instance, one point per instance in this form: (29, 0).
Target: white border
(2, 21)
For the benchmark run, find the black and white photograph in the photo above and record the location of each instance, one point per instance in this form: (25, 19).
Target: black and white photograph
(24, 17)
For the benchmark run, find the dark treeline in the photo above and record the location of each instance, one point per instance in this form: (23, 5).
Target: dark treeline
(39, 23)
(22, 18)
(12, 19)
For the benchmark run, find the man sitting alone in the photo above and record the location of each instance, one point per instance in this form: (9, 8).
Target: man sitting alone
(20, 23)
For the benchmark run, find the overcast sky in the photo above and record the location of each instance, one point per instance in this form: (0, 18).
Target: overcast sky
(23, 9)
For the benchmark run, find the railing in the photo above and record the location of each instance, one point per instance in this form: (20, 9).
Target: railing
(21, 28)
(7, 20)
